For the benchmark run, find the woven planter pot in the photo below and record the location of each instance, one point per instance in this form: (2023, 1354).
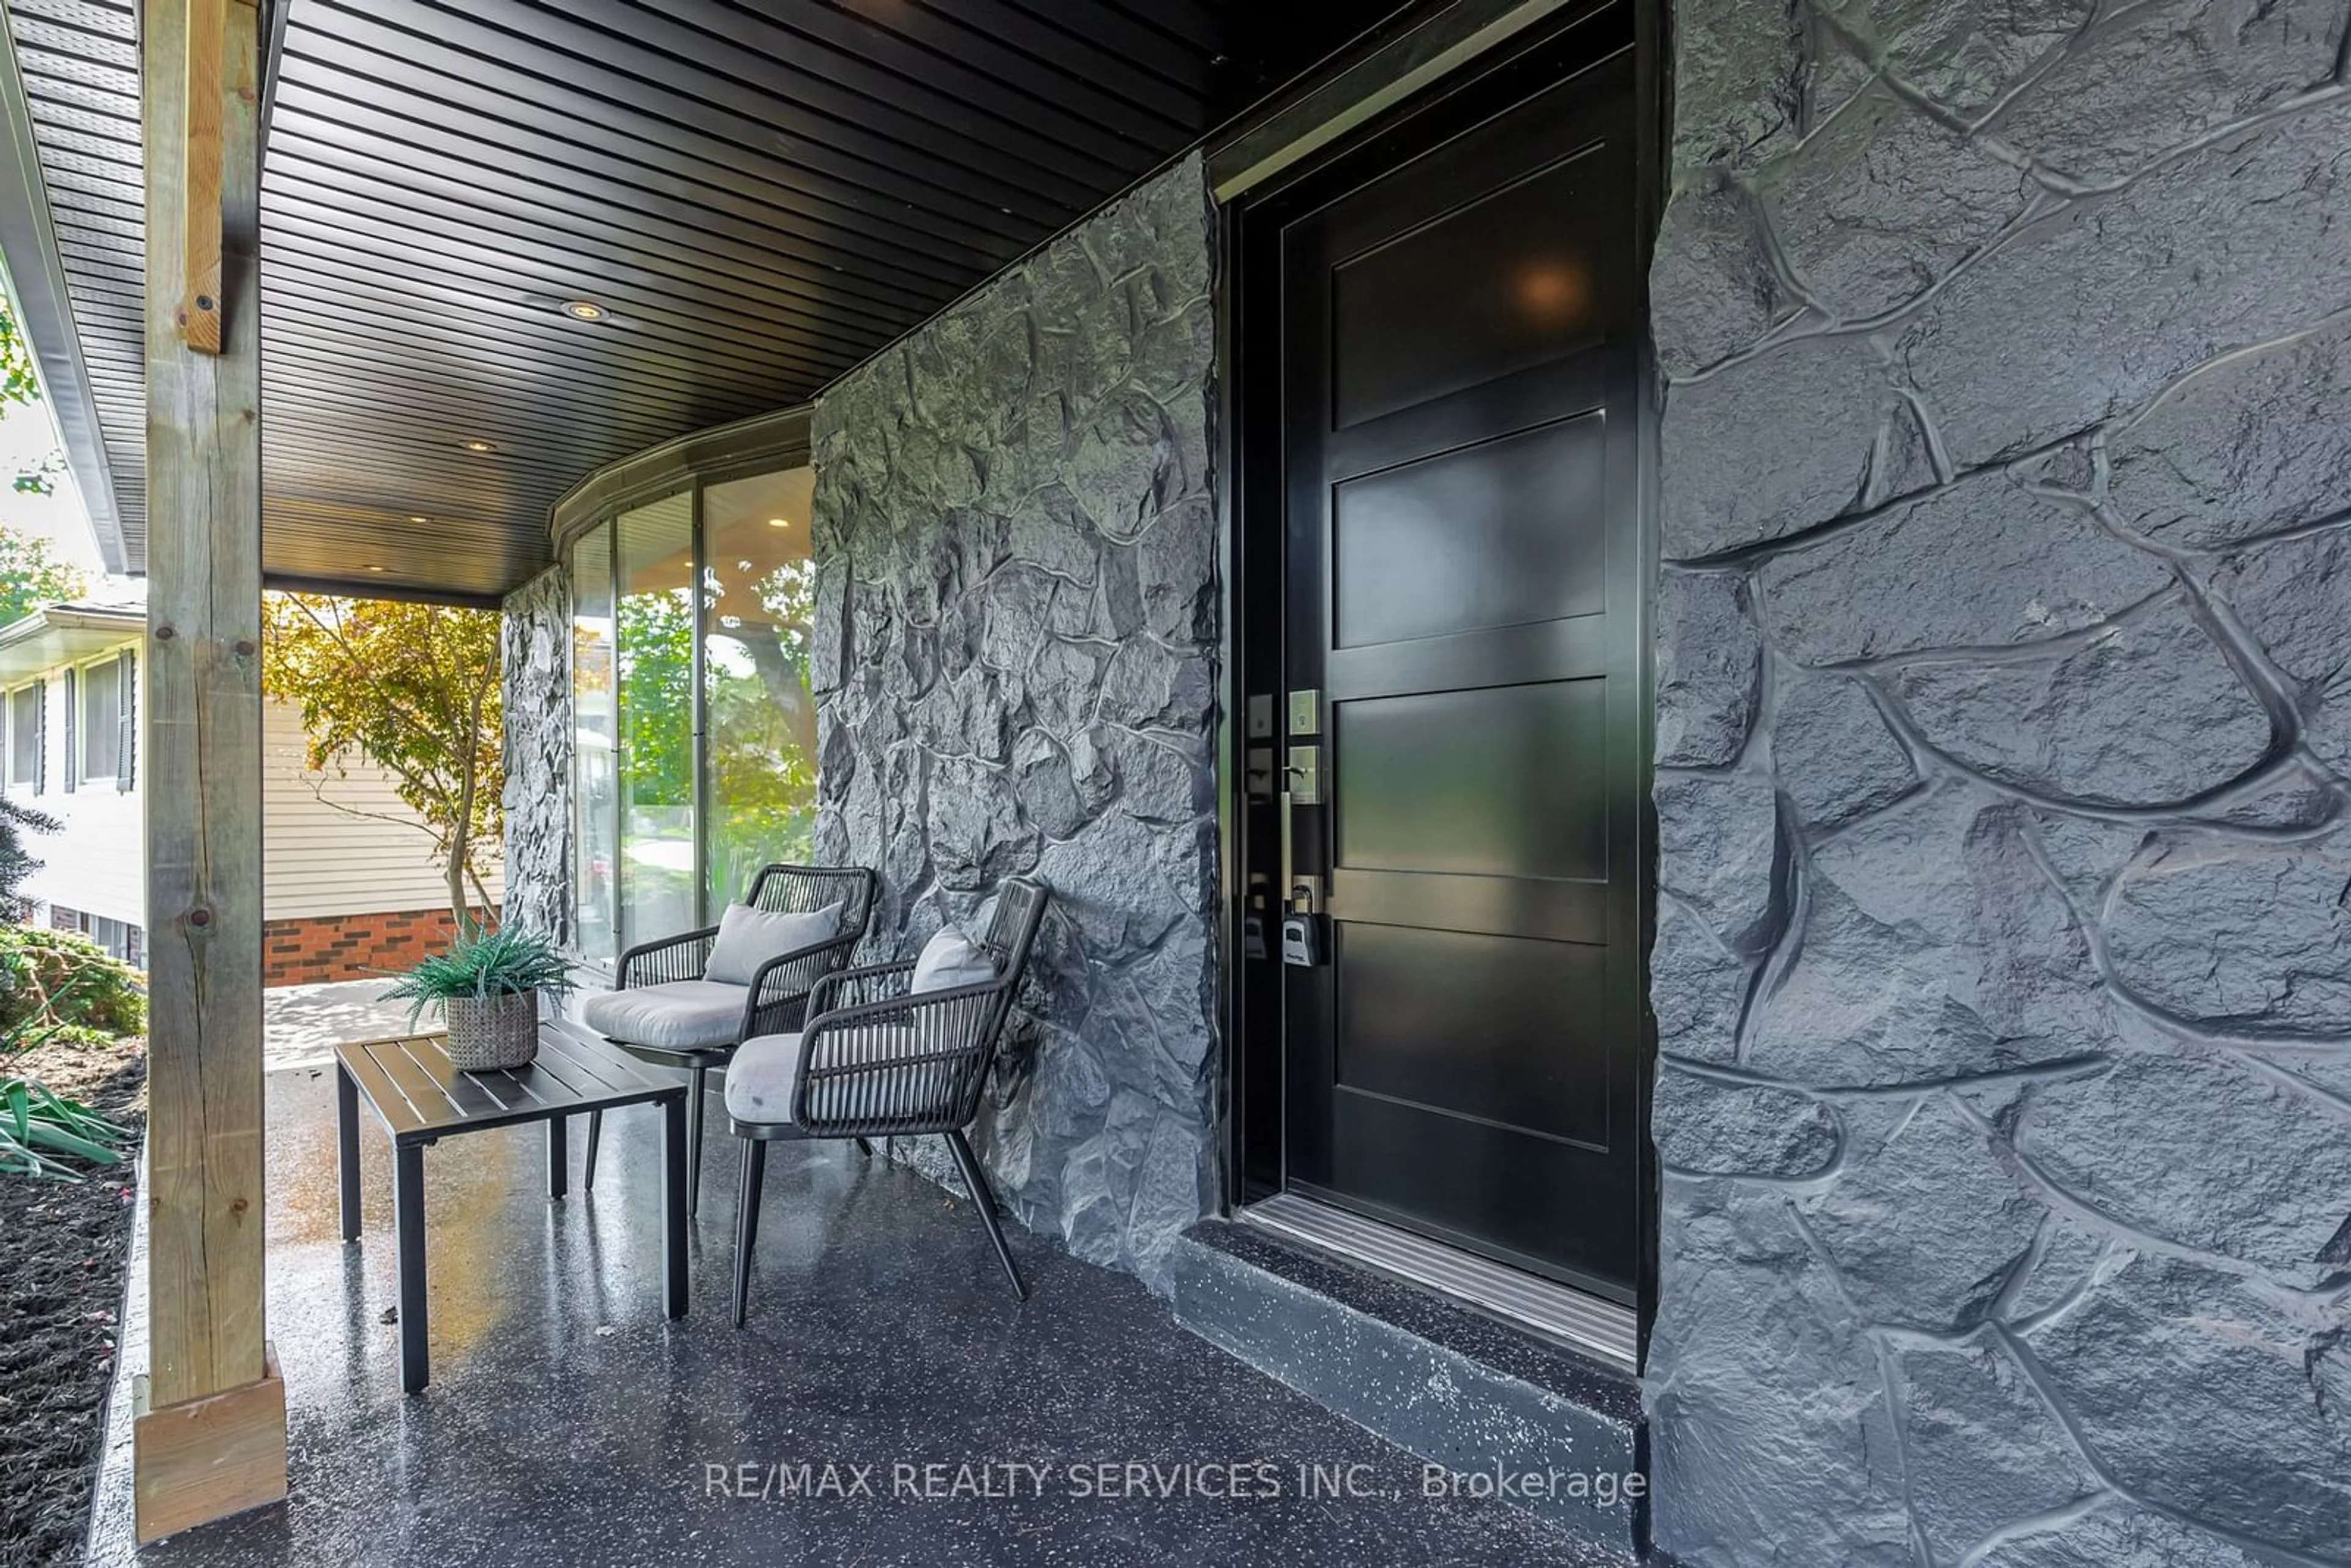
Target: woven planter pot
(498, 1031)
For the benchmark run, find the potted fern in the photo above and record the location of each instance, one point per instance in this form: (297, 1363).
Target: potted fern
(486, 986)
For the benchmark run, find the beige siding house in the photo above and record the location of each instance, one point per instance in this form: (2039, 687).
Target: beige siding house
(350, 883)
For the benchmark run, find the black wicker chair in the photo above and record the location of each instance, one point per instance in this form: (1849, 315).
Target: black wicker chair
(773, 1003)
(876, 1061)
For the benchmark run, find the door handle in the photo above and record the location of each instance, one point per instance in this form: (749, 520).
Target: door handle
(1304, 769)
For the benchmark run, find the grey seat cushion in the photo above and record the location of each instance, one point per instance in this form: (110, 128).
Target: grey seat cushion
(678, 1014)
(765, 1073)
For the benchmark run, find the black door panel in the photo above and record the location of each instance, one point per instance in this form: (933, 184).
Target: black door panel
(1404, 993)
(1465, 589)
(1515, 271)
(1536, 498)
(1482, 781)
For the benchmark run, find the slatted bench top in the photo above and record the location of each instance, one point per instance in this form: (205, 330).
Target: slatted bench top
(422, 1096)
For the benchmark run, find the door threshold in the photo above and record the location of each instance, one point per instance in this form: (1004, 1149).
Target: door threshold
(1606, 1331)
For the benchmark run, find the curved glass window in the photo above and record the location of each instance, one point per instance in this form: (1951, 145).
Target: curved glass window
(653, 674)
(595, 824)
(758, 588)
(694, 754)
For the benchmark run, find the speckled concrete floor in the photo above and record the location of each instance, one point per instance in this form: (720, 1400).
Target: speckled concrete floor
(569, 1422)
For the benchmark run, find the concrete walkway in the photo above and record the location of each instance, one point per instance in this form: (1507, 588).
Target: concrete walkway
(301, 1025)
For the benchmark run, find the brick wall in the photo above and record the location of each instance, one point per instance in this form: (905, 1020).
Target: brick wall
(350, 947)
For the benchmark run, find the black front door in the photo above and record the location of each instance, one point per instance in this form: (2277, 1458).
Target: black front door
(1464, 719)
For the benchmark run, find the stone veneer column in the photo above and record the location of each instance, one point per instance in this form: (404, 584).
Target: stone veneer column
(2003, 969)
(1015, 667)
(535, 650)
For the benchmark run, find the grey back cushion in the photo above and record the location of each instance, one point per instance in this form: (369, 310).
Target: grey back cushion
(749, 937)
(950, 959)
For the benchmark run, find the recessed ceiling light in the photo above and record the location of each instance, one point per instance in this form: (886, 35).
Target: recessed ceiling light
(478, 444)
(583, 310)
(779, 522)
(376, 569)
(415, 517)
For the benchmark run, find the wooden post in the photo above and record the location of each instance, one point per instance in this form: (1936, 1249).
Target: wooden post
(210, 1437)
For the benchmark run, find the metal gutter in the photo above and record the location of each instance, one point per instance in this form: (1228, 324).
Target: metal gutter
(59, 635)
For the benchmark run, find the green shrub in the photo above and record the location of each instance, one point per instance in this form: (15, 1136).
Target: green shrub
(61, 978)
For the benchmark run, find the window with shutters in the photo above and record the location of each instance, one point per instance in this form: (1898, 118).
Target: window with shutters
(126, 719)
(70, 754)
(101, 721)
(25, 739)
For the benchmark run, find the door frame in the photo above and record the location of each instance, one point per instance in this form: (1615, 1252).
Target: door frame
(1249, 453)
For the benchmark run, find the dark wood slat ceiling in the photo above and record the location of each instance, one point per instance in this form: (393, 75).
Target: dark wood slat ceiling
(761, 194)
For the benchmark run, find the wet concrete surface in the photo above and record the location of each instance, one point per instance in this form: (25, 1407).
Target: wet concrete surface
(569, 1422)
(301, 1025)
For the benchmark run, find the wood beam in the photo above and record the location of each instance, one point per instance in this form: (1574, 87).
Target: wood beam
(201, 108)
(211, 1437)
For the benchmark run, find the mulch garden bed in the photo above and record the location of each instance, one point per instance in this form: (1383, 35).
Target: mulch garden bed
(63, 1248)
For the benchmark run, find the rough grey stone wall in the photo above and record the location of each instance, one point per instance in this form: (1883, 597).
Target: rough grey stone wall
(1014, 664)
(2003, 967)
(535, 645)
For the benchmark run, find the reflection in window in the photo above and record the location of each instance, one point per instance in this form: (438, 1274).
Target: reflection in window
(655, 679)
(595, 870)
(758, 588)
(668, 778)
